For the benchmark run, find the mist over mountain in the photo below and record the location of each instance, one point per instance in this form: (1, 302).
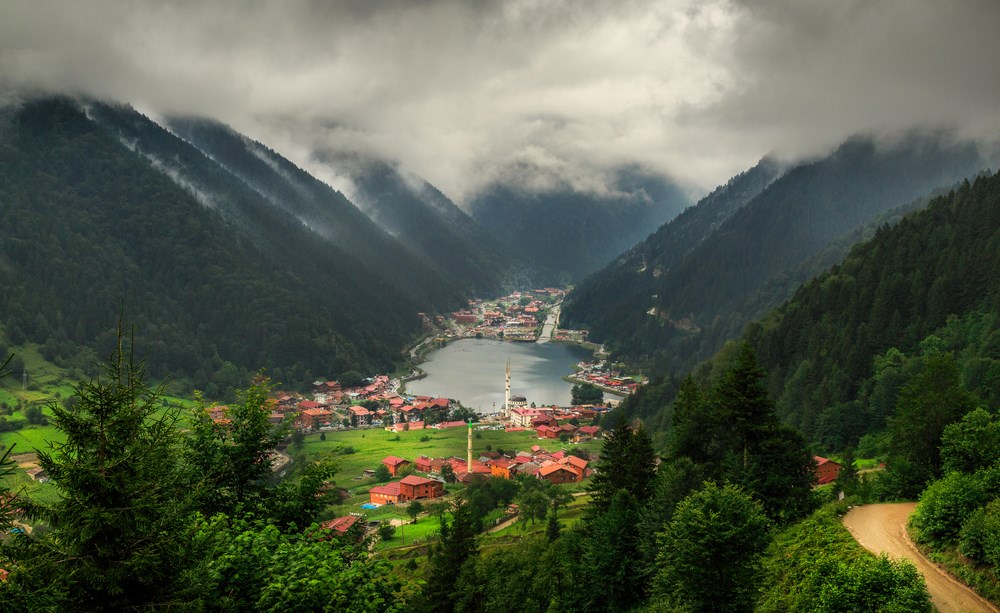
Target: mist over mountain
(673, 301)
(568, 233)
(324, 211)
(429, 224)
(104, 210)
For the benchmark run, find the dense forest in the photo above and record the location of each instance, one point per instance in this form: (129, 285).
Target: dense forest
(687, 297)
(840, 349)
(103, 211)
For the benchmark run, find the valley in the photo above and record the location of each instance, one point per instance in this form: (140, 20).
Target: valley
(448, 307)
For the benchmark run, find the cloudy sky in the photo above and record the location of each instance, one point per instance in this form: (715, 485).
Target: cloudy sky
(460, 92)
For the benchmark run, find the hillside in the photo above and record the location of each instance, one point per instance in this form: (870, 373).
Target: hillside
(565, 234)
(754, 259)
(111, 213)
(430, 225)
(841, 349)
(324, 211)
(607, 301)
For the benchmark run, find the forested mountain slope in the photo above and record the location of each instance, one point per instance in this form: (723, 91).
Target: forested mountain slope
(323, 210)
(839, 352)
(839, 348)
(97, 217)
(693, 306)
(566, 234)
(428, 223)
(608, 302)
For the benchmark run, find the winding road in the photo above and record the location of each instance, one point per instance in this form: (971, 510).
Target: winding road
(881, 528)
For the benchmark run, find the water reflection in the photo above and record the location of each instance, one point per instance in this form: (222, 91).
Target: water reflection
(472, 371)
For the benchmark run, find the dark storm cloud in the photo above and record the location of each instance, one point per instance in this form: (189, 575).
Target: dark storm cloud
(460, 92)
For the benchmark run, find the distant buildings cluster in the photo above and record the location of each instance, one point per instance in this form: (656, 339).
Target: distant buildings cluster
(375, 403)
(556, 467)
(515, 317)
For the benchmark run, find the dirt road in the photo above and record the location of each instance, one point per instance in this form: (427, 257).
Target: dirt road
(881, 528)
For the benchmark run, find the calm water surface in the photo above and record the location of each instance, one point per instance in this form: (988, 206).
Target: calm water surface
(472, 372)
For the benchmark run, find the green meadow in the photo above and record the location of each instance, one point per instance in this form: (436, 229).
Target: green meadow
(371, 446)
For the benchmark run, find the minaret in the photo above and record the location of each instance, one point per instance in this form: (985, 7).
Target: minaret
(468, 466)
(506, 398)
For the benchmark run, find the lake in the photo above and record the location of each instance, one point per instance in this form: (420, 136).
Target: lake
(472, 372)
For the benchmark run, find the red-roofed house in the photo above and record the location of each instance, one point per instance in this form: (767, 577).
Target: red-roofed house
(586, 433)
(340, 524)
(394, 464)
(558, 473)
(384, 494)
(360, 415)
(522, 416)
(547, 432)
(827, 470)
(313, 419)
(429, 465)
(218, 413)
(413, 487)
(451, 424)
(406, 425)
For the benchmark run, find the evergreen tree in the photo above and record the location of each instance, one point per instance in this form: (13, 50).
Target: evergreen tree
(710, 553)
(552, 526)
(927, 404)
(696, 432)
(456, 545)
(611, 555)
(743, 404)
(116, 532)
(233, 458)
(627, 462)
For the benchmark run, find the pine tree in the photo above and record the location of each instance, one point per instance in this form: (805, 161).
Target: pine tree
(627, 462)
(456, 544)
(116, 531)
(233, 459)
(743, 404)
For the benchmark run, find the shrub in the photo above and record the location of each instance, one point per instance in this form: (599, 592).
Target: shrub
(945, 506)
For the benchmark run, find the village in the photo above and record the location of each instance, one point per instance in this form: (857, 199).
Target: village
(531, 316)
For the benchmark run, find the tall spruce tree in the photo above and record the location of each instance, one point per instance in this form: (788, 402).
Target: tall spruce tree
(743, 404)
(456, 544)
(115, 538)
(627, 462)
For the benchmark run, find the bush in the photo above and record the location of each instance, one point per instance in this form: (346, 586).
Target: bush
(385, 531)
(980, 537)
(945, 506)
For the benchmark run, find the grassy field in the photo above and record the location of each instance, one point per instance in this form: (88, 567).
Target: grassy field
(371, 446)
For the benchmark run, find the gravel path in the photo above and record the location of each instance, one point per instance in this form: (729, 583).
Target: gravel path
(881, 528)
